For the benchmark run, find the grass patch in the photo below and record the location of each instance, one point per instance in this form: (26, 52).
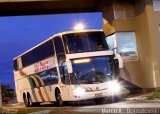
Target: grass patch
(154, 95)
(30, 110)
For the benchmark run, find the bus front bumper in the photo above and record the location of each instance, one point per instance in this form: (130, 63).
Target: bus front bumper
(82, 95)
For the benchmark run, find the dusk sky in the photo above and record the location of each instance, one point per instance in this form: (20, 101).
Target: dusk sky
(20, 33)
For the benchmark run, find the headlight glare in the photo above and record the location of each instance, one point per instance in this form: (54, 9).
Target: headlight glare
(114, 86)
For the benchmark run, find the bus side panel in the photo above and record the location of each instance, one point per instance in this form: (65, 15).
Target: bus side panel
(17, 87)
(46, 93)
(22, 86)
(65, 91)
(17, 75)
(27, 80)
(52, 91)
(18, 93)
(37, 95)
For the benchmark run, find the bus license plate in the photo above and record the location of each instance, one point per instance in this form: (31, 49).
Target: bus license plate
(98, 94)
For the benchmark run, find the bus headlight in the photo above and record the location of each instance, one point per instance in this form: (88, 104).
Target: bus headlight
(114, 86)
(79, 91)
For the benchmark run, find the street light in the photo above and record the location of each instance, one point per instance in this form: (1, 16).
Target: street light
(79, 26)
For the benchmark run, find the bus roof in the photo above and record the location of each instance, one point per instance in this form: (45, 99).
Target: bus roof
(58, 34)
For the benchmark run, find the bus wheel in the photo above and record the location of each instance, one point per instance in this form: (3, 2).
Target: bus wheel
(26, 101)
(59, 101)
(30, 102)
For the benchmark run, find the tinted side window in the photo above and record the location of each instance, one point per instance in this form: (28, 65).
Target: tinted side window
(59, 50)
(41, 52)
(49, 77)
(15, 65)
(58, 45)
(85, 42)
(60, 53)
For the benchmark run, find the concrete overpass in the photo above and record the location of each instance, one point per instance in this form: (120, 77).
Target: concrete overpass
(139, 16)
(32, 7)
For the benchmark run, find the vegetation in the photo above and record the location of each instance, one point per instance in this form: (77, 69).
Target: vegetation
(154, 95)
(7, 93)
(31, 110)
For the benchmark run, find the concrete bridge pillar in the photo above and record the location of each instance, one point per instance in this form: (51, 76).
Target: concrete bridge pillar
(137, 16)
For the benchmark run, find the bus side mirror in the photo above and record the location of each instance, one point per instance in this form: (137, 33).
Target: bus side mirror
(118, 56)
(114, 50)
(69, 66)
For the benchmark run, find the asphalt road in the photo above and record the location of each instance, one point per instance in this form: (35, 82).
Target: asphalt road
(122, 107)
(126, 106)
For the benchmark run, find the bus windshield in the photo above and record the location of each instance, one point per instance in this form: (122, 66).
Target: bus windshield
(85, 42)
(91, 70)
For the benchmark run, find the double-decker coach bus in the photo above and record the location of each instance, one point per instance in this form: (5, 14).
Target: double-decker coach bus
(69, 66)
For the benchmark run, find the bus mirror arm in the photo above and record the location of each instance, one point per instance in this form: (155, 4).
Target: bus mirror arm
(114, 48)
(118, 56)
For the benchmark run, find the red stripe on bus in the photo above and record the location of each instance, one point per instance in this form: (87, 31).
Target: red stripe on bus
(40, 94)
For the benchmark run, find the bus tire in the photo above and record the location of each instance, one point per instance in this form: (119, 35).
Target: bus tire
(59, 101)
(30, 103)
(25, 99)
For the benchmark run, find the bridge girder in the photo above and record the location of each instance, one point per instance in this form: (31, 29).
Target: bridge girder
(35, 7)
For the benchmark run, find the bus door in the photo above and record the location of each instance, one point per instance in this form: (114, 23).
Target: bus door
(60, 54)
